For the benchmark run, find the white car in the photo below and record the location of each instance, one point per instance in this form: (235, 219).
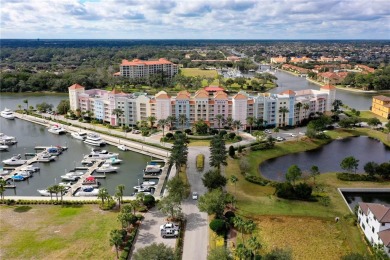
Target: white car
(194, 195)
(267, 131)
(169, 225)
(280, 139)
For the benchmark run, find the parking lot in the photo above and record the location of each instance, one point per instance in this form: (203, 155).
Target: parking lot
(149, 231)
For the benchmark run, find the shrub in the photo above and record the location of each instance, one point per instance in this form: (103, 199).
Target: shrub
(229, 215)
(218, 226)
(231, 136)
(140, 217)
(344, 176)
(237, 138)
(285, 190)
(213, 131)
(222, 132)
(239, 149)
(169, 136)
(178, 132)
(200, 162)
(231, 151)
(303, 191)
(256, 179)
(187, 131)
(149, 201)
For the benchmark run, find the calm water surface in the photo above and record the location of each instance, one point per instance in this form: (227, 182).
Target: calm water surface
(353, 198)
(30, 135)
(328, 157)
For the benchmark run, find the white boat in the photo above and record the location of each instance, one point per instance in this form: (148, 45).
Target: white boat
(25, 174)
(30, 168)
(148, 183)
(4, 147)
(123, 147)
(15, 160)
(87, 191)
(100, 154)
(47, 193)
(152, 169)
(94, 139)
(144, 188)
(113, 161)
(56, 129)
(46, 157)
(79, 135)
(7, 113)
(66, 184)
(106, 168)
(4, 172)
(7, 140)
(70, 177)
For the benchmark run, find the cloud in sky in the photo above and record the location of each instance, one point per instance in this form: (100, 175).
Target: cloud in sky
(195, 19)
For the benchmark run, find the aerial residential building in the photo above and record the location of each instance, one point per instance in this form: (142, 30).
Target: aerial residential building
(374, 220)
(381, 106)
(139, 68)
(206, 104)
(301, 60)
(278, 60)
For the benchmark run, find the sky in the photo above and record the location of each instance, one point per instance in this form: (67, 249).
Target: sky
(195, 19)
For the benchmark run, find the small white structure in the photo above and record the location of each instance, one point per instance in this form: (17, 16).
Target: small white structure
(374, 220)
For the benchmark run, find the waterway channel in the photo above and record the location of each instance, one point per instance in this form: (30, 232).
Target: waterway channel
(328, 157)
(30, 135)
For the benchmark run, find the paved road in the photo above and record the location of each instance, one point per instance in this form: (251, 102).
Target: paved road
(196, 233)
(149, 231)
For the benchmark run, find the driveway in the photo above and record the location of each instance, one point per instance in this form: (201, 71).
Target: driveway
(196, 232)
(149, 231)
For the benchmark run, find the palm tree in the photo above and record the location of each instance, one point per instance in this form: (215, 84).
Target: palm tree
(51, 190)
(336, 105)
(56, 189)
(259, 122)
(103, 194)
(250, 121)
(61, 190)
(119, 193)
(299, 106)
(20, 107)
(162, 123)
(306, 108)
(242, 252)
(182, 120)
(276, 130)
(171, 120)
(237, 125)
(239, 224)
(283, 110)
(152, 120)
(117, 112)
(26, 102)
(220, 119)
(116, 239)
(229, 121)
(3, 183)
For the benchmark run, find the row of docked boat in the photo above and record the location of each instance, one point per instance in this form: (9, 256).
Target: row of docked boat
(89, 138)
(6, 141)
(23, 174)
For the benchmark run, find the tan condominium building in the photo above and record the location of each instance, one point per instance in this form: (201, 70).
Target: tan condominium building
(140, 68)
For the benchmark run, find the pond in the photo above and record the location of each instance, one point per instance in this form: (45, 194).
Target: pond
(328, 157)
(353, 198)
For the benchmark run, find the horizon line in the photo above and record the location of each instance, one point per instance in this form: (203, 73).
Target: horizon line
(202, 39)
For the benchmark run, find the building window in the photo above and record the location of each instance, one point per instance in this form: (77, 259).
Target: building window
(373, 230)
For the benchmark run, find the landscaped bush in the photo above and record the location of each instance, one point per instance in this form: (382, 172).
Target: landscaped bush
(128, 245)
(200, 162)
(229, 215)
(213, 131)
(231, 136)
(286, 190)
(169, 136)
(237, 138)
(261, 146)
(303, 191)
(345, 176)
(256, 179)
(218, 226)
(222, 132)
(149, 201)
(187, 131)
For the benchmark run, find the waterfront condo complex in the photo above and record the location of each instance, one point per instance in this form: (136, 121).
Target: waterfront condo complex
(204, 105)
(139, 68)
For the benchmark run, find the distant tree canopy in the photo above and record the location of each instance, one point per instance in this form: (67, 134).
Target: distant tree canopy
(379, 80)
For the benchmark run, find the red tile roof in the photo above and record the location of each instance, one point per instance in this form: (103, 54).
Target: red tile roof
(288, 92)
(213, 88)
(76, 86)
(115, 91)
(330, 87)
(382, 98)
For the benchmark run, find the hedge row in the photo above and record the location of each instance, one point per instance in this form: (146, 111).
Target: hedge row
(129, 244)
(345, 176)
(47, 202)
(180, 240)
(257, 180)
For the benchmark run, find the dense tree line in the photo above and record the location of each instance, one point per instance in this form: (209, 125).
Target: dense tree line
(379, 80)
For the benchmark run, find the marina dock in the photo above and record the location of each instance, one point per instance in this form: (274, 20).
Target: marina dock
(89, 172)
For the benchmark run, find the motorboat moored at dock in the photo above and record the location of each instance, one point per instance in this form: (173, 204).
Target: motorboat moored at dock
(113, 161)
(86, 191)
(123, 147)
(4, 147)
(106, 168)
(56, 129)
(15, 160)
(151, 169)
(79, 135)
(94, 139)
(7, 140)
(101, 154)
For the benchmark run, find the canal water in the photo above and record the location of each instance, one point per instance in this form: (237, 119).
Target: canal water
(328, 157)
(30, 135)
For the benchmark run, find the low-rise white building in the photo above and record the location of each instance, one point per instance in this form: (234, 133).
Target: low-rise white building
(374, 220)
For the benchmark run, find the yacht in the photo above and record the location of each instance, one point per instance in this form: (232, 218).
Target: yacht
(79, 135)
(25, 174)
(101, 154)
(54, 150)
(152, 169)
(56, 129)
(87, 191)
(3, 147)
(71, 176)
(113, 161)
(123, 147)
(7, 113)
(17, 178)
(4, 172)
(106, 168)
(30, 168)
(94, 139)
(46, 157)
(144, 188)
(7, 140)
(148, 183)
(15, 160)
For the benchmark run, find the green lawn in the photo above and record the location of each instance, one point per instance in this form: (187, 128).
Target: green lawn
(366, 114)
(259, 202)
(55, 232)
(193, 72)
